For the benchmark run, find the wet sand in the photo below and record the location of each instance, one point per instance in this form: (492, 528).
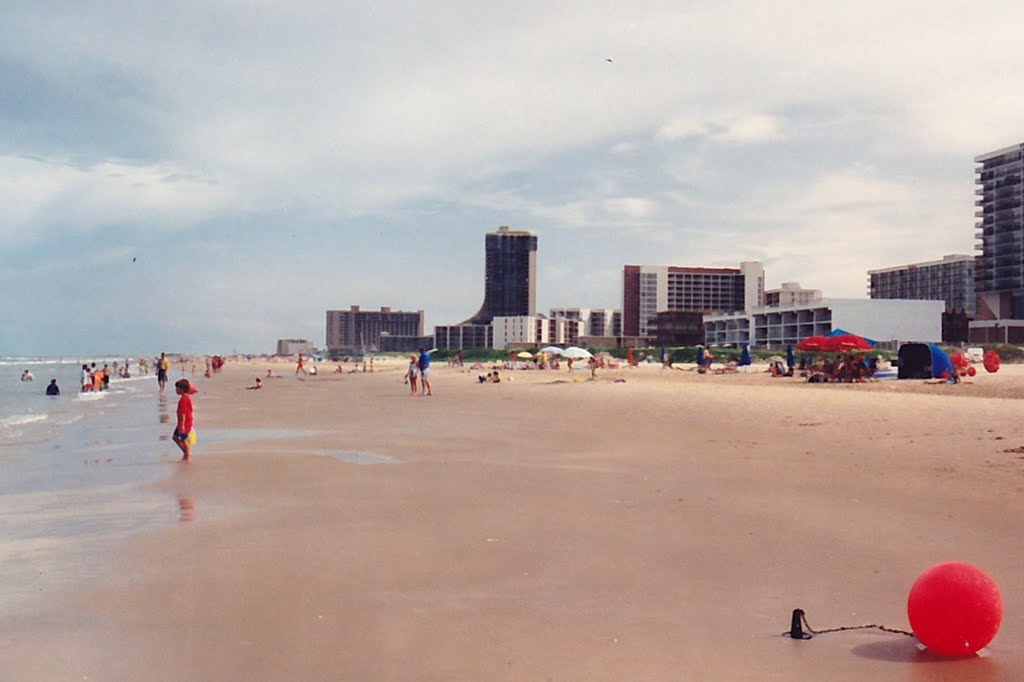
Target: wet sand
(544, 528)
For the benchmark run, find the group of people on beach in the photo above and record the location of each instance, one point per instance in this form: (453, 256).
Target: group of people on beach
(843, 369)
(419, 371)
(95, 380)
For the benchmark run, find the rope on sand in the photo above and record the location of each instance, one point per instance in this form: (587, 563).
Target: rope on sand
(799, 623)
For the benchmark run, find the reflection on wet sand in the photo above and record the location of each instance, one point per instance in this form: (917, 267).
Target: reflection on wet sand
(186, 509)
(164, 415)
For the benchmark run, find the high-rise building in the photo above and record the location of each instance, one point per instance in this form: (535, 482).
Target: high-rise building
(1000, 274)
(356, 330)
(510, 289)
(999, 277)
(650, 289)
(950, 279)
(510, 275)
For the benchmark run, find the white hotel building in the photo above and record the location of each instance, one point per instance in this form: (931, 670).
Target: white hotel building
(878, 319)
(524, 331)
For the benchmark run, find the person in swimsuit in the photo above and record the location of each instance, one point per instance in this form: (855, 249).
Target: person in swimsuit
(184, 424)
(162, 365)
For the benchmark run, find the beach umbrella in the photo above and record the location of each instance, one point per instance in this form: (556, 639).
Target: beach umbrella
(576, 353)
(524, 355)
(816, 343)
(551, 350)
(842, 342)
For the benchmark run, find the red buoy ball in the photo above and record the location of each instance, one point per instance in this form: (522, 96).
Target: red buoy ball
(954, 609)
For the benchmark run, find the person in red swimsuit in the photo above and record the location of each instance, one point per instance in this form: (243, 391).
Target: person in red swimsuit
(184, 425)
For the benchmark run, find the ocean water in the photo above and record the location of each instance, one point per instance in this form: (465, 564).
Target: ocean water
(73, 470)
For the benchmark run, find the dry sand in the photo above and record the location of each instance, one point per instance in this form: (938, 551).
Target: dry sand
(549, 529)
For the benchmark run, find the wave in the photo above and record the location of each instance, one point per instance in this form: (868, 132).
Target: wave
(19, 419)
(13, 428)
(12, 361)
(91, 395)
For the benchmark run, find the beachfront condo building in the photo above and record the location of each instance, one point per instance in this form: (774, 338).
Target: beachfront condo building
(510, 289)
(999, 277)
(528, 331)
(603, 322)
(791, 293)
(887, 321)
(950, 280)
(650, 289)
(360, 331)
(294, 346)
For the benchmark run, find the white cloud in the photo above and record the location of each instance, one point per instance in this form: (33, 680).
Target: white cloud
(45, 194)
(742, 128)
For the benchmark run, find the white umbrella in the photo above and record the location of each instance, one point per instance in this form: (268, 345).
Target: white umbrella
(555, 350)
(576, 353)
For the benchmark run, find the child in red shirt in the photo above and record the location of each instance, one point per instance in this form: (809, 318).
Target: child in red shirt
(184, 425)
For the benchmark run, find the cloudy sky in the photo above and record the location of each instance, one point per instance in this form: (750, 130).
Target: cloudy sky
(210, 176)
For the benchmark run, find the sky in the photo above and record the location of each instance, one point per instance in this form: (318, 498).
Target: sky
(211, 176)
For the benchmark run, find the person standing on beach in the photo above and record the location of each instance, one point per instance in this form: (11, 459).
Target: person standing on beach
(162, 365)
(183, 427)
(412, 373)
(300, 367)
(424, 367)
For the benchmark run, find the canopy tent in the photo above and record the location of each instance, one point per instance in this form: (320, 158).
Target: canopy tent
(839, 332)
(923, 361)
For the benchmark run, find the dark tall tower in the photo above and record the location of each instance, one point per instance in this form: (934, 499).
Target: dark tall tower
(999, 275)
(510, 275)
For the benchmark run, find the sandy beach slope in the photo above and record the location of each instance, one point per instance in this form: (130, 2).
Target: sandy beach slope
(550, 529)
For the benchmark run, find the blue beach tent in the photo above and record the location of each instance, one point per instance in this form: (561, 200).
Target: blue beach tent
(923, 361)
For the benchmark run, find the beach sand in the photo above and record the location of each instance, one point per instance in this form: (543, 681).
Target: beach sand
(549, 528)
